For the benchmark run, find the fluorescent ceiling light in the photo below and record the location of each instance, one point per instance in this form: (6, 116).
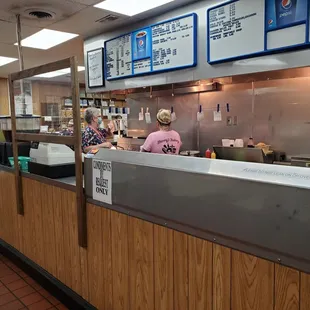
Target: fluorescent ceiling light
(46, 38)
(52, 74)
(130, 7)
(6, 60)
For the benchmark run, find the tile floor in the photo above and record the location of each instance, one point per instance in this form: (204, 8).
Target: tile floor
(19, 292)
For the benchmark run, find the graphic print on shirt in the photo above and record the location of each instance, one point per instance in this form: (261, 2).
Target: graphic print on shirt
(169, 146)
(168, 149)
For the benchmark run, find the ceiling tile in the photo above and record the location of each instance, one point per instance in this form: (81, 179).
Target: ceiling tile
(8, 32)
(84, 22)
(62, 9)
(87, 2)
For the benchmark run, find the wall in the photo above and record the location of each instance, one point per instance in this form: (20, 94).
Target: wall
(281, 115)
(134, 264)
(4, 97)
(203, 69)
(42, 92)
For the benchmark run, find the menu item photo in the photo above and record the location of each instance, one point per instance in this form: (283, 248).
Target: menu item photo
(141, 44)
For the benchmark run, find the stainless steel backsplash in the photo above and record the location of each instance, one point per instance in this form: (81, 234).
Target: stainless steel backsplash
(276, 113)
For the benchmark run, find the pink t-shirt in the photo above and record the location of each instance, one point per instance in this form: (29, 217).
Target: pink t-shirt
(163, 142)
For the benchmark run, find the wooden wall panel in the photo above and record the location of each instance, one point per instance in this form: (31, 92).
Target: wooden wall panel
(141, 271)
(180, 271)
(119, 238)
(95, 256)
(8, 206)
(134, 264)
(84, 273)
(200, 274)
(252, 282)
(163, 268)
(73, 240)
(304, 291)
(31, 248)
(47, 203)
(286, 288)
(221, 277)
(67, 238)
(59, 235)
(107, 259)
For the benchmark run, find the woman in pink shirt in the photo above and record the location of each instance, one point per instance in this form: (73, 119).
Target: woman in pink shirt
(165, 140)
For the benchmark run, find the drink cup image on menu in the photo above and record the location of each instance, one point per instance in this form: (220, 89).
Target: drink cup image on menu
(285, 12)
(141, 41)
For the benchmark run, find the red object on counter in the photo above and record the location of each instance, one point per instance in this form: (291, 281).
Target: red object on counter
(208, 153)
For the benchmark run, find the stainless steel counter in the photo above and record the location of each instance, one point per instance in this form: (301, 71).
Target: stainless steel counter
(256, 208)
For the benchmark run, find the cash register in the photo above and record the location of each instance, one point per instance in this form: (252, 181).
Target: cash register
(51, 160)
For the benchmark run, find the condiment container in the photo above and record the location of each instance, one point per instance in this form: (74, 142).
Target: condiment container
(208, 153)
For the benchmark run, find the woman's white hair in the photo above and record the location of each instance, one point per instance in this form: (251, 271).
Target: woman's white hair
(90, 113)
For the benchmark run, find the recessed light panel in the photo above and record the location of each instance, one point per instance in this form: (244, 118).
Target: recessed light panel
(53, 74)
(130, 7)
(46, 38)
(6, 60)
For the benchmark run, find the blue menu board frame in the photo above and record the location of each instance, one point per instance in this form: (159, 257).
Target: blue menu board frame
(267, 29)
(149, 55)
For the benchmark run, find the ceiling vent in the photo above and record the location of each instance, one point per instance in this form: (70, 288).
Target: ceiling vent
(107, 19)
(39, 13)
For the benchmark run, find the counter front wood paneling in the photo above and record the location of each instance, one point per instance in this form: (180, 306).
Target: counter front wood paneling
(131, 264)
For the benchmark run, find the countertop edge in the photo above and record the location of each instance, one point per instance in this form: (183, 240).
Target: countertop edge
(52, 182)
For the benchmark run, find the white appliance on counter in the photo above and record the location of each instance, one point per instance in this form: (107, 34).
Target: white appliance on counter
(51, 154)
(52, 160)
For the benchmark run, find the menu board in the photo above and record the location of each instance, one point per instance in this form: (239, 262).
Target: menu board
(238, 29)
(286, 23)
(173, 44)
(235, 29)
(95, 68)
(169, 45)
(118, 57)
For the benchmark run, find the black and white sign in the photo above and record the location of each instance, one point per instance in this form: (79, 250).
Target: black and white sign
(119, 57)
(236, 29)
(102, 181)
(168, 45)
(174, 44)
(95, 68)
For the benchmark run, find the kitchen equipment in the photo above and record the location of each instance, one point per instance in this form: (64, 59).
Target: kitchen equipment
(130, 144)
(24, 123)
(191, 153)
(225, 142)
(239, 154)
(239, 143)
(301, 161)
(251, 143)
(51, 160)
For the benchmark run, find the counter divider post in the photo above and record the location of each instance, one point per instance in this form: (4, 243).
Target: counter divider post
(18, 179)
(80, 197)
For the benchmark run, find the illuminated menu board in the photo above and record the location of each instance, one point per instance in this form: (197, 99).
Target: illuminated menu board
(242, 29)
(169, 45)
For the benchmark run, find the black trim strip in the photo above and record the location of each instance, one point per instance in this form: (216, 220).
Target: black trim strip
(52, 182)
(63, 293)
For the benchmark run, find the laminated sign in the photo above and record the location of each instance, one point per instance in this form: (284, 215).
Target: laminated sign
(102, 181)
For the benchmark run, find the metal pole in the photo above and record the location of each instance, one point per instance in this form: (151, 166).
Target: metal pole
(21, 60)
(253, 109)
